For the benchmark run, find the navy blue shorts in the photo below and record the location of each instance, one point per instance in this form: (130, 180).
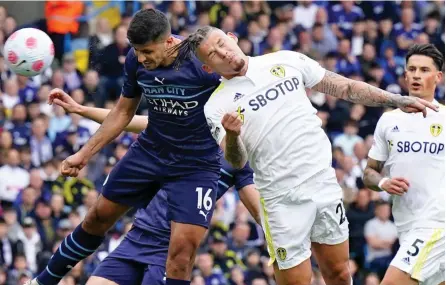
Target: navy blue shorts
(138, 176)
(128, 272)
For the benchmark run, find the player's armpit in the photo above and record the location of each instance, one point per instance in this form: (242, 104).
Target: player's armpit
(250, 197)
(372, 174)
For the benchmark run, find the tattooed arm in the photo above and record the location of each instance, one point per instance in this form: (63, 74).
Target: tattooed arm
(366, 94)
(232, 145)
(235, 151)
(372, 174)
(375, 181)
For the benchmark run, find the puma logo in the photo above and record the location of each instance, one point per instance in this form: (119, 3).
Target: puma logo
(205, 215)
(159, 80)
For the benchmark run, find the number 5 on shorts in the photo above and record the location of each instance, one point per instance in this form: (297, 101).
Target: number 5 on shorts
(205, 201)
(415, 246)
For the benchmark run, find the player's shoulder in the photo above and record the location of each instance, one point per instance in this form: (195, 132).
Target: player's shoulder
(220, 97)
(291, 59)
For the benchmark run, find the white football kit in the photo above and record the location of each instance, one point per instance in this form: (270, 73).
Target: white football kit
(413, 148)
(288, 150)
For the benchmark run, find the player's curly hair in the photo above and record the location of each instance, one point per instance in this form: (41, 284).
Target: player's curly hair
(428, 50)
(148, 25)
(188, 47)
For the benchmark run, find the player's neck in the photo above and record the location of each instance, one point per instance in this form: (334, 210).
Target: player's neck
(429, 97)
(171, 58)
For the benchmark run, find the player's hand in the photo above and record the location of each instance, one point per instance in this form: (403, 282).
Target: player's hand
(410, 104)
(396, 186)
(232, 123)
(59, 97)
(73, 164)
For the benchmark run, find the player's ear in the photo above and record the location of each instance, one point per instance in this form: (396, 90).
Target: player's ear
(206, 68)
(438, 77)
(169, 41)
(232, 36)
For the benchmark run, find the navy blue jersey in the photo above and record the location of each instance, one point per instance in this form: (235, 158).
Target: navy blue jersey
(176, 98)
(153, 221)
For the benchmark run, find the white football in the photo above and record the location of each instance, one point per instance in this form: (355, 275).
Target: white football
(29, 52)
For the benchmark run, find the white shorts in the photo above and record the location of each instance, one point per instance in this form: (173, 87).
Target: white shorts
(310, 212)
(421, 255)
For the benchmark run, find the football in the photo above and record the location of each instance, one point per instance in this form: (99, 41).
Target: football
(29, 52)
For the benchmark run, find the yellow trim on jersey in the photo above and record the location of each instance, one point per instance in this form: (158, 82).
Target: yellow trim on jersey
(269, 239)
(424, 254)
(220, 87)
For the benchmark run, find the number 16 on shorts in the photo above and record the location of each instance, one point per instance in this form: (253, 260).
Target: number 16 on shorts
(204, 201)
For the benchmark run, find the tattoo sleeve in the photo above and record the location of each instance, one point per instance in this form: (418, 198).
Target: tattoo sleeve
(235, 151)
(372, 174)
(358, 92)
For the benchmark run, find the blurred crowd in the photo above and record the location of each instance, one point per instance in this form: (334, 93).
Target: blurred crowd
(365, 41)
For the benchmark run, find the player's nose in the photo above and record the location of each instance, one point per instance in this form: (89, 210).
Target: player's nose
(141, 58)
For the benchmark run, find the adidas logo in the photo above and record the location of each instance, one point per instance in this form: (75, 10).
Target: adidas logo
(406, 260)
(238, 96)
(395, 129)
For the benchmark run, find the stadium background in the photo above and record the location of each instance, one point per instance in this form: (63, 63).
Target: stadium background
(362, 40)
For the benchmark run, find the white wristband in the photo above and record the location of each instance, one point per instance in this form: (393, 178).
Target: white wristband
(381, 182)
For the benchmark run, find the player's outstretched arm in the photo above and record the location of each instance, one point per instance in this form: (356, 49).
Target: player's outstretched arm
(366, 94)
(374, 180)
(250, 197)
(115, 122)
(136, 125)
(113, 125)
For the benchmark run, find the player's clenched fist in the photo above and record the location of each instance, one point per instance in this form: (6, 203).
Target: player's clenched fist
(73, 164)
(232, 123)
(395, 186)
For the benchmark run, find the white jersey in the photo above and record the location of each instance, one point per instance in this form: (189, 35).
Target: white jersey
(281, 131)
(413, 148)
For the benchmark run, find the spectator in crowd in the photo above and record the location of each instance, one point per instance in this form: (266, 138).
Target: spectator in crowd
(347, 140)
(41, 147)
(205, 266)
(358, 214)
(380, 234)
(112, 64)
(12, 178)
(8, 248)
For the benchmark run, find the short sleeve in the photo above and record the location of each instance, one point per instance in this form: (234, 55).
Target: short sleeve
(214, 112)
(243, 177)
(130, 88)
(312, 71)
(379, 150)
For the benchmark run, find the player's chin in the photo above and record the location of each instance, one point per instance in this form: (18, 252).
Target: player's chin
(238, 65)
(150, 66)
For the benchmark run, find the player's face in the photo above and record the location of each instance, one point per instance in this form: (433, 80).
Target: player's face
(153, 54)
(422, 76)
(221, 54)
